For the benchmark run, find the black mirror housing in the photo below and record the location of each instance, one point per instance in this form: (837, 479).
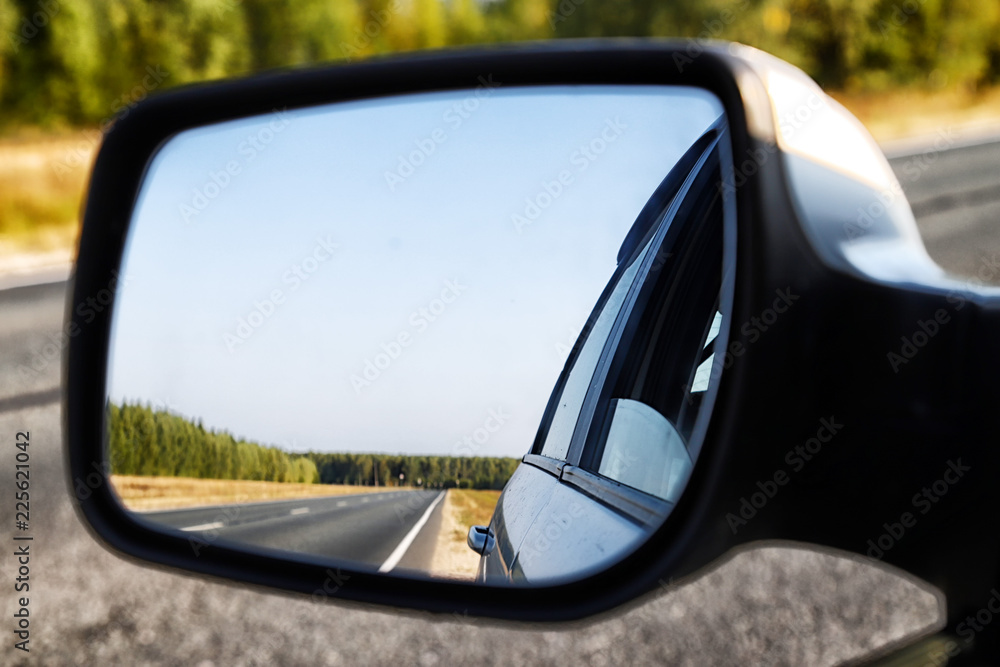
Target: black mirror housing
(855, 373)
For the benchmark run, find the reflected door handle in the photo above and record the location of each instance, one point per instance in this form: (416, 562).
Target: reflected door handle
(481, 540)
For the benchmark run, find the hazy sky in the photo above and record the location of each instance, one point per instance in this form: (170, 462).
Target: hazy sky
(273, 262)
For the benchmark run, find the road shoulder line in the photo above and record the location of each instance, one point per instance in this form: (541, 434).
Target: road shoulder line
(400, 550)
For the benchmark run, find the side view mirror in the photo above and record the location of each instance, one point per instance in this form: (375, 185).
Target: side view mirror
(480, 539)
(608, 311)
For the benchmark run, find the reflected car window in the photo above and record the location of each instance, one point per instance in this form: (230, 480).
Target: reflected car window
(574, 392)
(663, 365)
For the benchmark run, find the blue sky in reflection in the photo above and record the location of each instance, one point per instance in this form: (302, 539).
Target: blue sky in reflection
(393, 277)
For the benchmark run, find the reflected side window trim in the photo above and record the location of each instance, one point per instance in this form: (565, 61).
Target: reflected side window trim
(632, 503)
(596, 440)
(542, 436)
(546, 463)
(637, 506)
(673, 189)
(590, 404)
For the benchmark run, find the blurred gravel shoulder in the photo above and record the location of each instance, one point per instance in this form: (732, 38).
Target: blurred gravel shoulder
(775, 606)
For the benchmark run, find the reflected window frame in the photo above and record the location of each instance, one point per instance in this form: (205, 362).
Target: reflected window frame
(579, 467)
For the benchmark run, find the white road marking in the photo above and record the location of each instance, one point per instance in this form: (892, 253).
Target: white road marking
(300, 510)
(205, 526)
(397, 554)
(341, 503)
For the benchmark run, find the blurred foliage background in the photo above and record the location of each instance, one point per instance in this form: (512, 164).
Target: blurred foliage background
(77, 62)
(67, 67)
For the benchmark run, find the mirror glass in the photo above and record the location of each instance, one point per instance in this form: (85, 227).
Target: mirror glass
(465, 334)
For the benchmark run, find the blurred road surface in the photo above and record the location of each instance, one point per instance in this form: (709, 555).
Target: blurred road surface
(385, 531)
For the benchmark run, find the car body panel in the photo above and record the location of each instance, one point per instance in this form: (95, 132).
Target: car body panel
(524, 496)
(572, 533)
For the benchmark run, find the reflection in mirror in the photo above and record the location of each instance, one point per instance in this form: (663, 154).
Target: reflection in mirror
(346, 330)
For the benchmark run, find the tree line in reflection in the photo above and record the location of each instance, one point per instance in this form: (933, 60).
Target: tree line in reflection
(148, 441)
(435, 472)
